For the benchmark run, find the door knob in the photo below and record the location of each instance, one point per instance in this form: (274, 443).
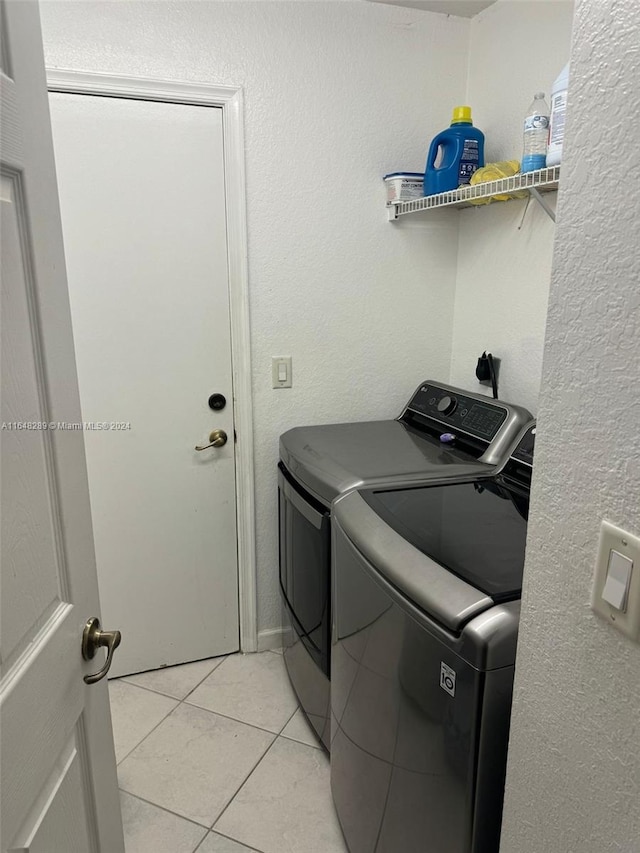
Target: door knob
(216, 439)
(94, 638)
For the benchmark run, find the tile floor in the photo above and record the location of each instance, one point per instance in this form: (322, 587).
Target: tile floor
(216, 756)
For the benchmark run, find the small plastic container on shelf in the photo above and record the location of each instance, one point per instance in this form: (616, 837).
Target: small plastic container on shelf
(404, 186)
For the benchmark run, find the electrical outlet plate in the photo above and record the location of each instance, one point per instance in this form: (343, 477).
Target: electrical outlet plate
(614, 539)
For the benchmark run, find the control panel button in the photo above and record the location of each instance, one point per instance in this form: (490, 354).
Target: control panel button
(447, 405)
(483, 420)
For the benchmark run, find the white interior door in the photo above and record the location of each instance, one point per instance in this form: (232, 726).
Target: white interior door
(143, 212)
(58, 772)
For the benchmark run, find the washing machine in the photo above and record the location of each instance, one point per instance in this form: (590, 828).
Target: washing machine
(443, 433)
(427, 584)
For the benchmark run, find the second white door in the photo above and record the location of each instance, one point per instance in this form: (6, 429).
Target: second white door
(142, 199)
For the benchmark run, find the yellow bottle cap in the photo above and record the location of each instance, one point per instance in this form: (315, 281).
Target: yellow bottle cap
(461, 114)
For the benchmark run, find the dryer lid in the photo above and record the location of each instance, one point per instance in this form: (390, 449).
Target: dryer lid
(331, 458)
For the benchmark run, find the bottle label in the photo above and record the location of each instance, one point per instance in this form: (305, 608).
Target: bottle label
(558, 116)
(536, 122)
(469, 161)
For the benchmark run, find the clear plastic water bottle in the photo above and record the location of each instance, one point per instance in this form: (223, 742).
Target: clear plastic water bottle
(536, 134)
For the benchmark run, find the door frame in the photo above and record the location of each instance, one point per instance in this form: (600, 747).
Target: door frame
(230, 100)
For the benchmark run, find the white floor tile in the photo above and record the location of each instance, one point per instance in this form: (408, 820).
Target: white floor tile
(252, 688)
(193, 763)
(215, 843)
(148, 829)
(134, 713)
(285, 806)
(298, 728)
(176, 681)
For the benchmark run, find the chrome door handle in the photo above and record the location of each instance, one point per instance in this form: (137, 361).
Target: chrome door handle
(216, 439)
(94, 638)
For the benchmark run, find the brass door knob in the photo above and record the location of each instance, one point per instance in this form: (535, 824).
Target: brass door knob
(94, 638)
(217, 438)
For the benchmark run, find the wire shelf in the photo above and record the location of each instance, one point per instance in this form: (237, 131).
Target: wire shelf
(542, 180)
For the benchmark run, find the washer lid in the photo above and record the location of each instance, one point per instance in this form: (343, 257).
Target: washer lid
(332, 458)
(477, 531)
(439, 594)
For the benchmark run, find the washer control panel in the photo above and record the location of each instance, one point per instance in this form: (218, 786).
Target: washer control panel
(526, 446)
(478, 418)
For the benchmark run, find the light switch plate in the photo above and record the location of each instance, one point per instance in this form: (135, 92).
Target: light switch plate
(281, 371)
(613, 538)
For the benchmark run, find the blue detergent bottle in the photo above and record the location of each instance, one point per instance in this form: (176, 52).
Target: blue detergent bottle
(462, 152)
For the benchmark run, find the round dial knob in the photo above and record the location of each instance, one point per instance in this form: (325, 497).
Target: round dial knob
(447, 405)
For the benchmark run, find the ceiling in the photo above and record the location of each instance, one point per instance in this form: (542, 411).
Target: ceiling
(462, 8)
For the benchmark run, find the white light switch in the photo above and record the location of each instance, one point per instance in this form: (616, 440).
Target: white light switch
(281, 371)
(616, 583)
(616, 586)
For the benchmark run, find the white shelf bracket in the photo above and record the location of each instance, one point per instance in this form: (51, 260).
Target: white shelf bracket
(543, 204)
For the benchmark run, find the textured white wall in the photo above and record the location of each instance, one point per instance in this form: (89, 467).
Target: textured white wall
(337, 94)
(517, 48)
(573, 783)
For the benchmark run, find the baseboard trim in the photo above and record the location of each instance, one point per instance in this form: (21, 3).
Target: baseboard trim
(271, 638)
